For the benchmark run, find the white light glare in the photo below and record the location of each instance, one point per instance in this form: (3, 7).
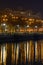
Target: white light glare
(35, 26)
(3, 24)
(27, 25)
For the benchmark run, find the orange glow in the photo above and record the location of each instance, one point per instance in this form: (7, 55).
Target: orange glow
(30, 30)
(35, 30)
(13, 54)
(22, 18)
(42, 50)
(16, 17)
(42, 21)
(13, 17)
(40, 29)
(25, 18)
(37, 20)
(4, 19)
(30, 23)
(5, 16)
(21, 30)
(31, 19)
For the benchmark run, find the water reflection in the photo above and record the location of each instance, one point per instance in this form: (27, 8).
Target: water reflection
(15, 53)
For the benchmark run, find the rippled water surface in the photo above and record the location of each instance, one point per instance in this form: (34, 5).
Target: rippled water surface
(23, 53)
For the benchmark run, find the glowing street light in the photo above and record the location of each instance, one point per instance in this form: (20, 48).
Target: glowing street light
(27, 26)
(36, 26)
(3, 24)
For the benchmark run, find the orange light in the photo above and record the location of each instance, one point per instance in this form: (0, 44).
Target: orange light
(16, 17)
(40, 29)
(5, 16)
(31, 19)
(13, 17)
(25, 18)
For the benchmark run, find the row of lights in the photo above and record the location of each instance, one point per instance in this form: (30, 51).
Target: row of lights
(4, 24)
(24, 18)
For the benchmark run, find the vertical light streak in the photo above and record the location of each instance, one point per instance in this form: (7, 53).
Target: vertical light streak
(30, 43)
(42, 51)
(17, 52)
(3, 52)
(0, 54)
(13, 54)
(36, 50)
(27, 49)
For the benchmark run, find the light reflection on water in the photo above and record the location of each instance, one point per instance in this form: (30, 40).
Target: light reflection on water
(29, 51)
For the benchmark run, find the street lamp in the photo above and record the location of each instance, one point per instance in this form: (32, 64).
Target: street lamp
(36, 26)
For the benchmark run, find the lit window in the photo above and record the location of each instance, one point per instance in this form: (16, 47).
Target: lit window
(4, 19)
(16, 17)
(5, 16)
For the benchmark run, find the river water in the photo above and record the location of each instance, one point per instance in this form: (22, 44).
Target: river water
(26, 52)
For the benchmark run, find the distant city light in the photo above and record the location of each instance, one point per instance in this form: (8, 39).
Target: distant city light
(17, 25)
(36, 26)
(27, 21)
(27, 25)
(3, 24)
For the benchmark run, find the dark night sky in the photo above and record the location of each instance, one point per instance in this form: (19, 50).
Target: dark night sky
(26, 4)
